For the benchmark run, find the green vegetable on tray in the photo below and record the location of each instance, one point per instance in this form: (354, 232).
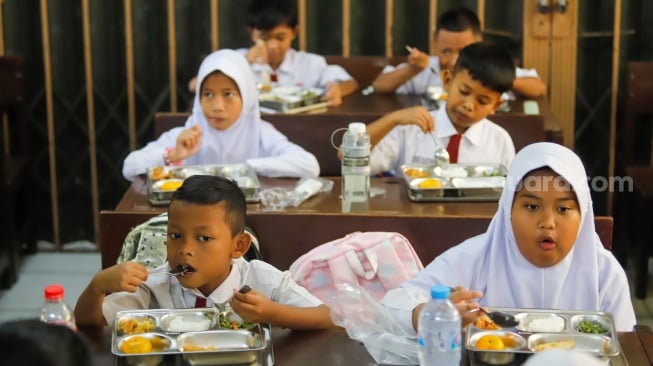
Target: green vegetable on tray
(228, 323)
(590, 327)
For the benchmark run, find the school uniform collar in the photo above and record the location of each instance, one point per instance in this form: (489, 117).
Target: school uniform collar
(224, 291)
(286, 64)
(444, 128)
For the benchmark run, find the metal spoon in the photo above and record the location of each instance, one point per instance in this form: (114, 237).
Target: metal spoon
(441, 154)
(502, 319)
(178, 270)
(222, 306)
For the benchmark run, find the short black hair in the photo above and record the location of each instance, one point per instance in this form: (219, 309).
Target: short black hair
(459, 20)
(30, 342)
(268, 14)
(212, 190)
(488, 63)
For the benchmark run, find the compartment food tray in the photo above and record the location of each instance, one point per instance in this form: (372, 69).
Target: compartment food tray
(163, 181)
(194, 335)
(540, 329)
(456, 182)
(285, 98)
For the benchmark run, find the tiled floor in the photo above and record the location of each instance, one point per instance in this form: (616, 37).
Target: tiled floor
(74, 270)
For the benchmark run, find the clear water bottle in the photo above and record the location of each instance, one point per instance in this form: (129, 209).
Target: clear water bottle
(55, 310)
(355, 168)
(439, 330)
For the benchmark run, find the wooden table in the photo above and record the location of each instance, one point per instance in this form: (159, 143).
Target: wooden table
(334, 347)
(431, 227)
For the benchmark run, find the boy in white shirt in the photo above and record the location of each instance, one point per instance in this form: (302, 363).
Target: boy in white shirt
(206, 239)
(455, 29)
(482, 73)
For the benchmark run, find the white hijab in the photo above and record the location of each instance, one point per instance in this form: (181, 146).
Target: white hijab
(240, 141)
(507, 277)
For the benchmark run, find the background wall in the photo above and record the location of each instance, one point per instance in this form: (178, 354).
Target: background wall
(102, 97)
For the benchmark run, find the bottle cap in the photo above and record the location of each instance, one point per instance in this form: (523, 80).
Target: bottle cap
(357, 127)
(54, 292)
(440, 292)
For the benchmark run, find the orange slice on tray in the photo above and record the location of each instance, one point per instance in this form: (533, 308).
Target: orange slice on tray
(430, 183)
(136, 344)
(490, 342)
(171, 186)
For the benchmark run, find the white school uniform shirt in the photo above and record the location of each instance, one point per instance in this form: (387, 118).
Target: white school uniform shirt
(430, 76)
(483, 142)
(302, 69)
(588, 278)
(162, 291)
(249, 140)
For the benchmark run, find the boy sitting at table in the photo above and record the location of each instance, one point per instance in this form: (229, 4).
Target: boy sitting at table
(483, 71)
(272, 25)
(206, 238)
(455, 29)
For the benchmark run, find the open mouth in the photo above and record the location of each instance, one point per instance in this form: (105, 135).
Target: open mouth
(182, 270)
(547, 242)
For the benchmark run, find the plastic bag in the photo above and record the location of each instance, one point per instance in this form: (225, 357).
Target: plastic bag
(367, 321)
(278, 198)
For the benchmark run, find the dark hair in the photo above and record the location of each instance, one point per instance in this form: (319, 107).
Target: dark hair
(268, 14)
(30, 342)
(488, 63)
(211, 190)
(459, 20)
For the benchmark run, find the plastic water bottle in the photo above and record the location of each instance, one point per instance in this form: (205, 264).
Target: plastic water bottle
(355, 168)
(439, 329)
(55, 310)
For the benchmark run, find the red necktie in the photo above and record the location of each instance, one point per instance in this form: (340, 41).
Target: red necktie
(200, 302)
(273, 78)
(452, 147)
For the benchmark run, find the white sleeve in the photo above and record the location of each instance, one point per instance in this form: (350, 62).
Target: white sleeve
(278, 285)
(119, 301)
(615, 293)
(138, 161)
(282, 158)
(385, 155)
(526, 73)
(334, 73)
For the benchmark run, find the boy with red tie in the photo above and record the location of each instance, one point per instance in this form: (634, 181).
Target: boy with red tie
(482, 73)
(206, 239)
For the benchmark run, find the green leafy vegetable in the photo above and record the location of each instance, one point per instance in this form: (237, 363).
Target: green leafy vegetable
(588, 326)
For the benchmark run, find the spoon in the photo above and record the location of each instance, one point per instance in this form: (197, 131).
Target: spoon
(502, 319)
(222, 306)
(441, 155)
(178, 270)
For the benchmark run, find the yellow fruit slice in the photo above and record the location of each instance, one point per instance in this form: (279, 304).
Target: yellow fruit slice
(136, 344)
(171, 185)
(490, 342)
(430, 183)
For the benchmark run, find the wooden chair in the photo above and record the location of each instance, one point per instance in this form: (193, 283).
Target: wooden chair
(638, 163)
(13, 166)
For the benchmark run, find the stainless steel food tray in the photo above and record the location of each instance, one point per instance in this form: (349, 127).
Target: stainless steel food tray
(283, 99)
(212, 345)
(526, 338)
(243, 174)
(459, 182)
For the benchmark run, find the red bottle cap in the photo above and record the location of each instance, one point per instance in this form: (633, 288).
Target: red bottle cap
(54, 292)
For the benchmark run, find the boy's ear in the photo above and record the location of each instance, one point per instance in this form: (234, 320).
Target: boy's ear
(497, 104)
(243, 241)
(447, 77)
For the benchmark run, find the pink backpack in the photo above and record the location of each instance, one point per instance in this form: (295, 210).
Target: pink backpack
(375, 261)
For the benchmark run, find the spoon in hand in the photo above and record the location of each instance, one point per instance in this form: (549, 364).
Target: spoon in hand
(222, 306)
(441, 155)
(502, 319)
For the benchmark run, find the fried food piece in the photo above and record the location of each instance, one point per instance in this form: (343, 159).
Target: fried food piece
(159, 173)
(562, 344)
(484, 322)
(135, 326)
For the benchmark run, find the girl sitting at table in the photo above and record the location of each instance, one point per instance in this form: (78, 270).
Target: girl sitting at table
(540, 250)
(225, 128)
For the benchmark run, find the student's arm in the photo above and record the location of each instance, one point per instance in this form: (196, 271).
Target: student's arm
(388, 82)
(125, 276)
(462, 298)
(335, 91)
(530, 87)
(138, 161)
(412, 115)
(347, 87)
(255, 307)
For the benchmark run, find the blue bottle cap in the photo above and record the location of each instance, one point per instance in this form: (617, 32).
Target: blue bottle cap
(440, 292)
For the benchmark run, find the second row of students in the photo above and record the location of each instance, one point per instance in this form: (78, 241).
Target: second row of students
(225, 126)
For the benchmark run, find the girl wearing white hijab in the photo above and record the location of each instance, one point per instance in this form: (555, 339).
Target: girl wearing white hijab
(225, 128)
(540, 250)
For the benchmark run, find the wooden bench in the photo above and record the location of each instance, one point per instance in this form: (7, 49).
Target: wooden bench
(313, 131)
